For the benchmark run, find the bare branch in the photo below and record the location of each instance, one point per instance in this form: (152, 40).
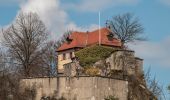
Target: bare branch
(126, 28)
(25, 39)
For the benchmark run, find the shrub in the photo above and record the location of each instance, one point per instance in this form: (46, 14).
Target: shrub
(92, 71)
(116, 72)
(62, 98)
(89, 55)
(52, 98)
(111, 98)
(28, 93)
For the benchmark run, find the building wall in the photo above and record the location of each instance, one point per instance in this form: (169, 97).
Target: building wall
(82, 88)
(61, 62)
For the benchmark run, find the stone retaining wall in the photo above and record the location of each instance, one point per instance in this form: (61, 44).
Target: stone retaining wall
(82, 88)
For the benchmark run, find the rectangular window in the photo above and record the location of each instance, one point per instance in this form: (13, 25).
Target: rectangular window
(64, 56)
(71, 55)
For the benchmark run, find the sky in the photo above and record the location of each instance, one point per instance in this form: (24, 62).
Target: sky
(82, 15)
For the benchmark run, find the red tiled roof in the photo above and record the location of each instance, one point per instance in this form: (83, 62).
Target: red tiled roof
(82, 39)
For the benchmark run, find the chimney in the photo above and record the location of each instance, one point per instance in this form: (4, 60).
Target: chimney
(87, 35)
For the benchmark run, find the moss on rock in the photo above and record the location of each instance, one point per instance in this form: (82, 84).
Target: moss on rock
(89, 55)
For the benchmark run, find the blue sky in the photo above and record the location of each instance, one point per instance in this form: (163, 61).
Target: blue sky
(82, 15)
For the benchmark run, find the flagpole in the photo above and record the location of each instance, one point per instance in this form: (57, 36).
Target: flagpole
(99, 31)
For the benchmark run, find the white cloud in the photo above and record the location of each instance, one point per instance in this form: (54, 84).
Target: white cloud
(2, 28)
(74, 27)
(154, 52)
(55, 18)
(96, 5)
(50, 12)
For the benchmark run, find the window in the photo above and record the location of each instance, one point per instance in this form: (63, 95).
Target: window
(64, 56)
(110, 36)
(71, 55)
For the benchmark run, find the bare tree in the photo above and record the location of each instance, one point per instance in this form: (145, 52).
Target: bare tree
(49, 58)
(153, 86)
(125, 27)
(8, 82)
(168, 88)
(25, 39)
(64, 38)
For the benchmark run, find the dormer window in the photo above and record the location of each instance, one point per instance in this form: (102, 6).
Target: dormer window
(110, 36)
(68, 40)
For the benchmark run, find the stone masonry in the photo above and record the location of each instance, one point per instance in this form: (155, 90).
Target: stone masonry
(82, 88)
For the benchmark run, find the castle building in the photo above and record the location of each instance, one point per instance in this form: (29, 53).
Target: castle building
(79, 40)
(124, 81)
